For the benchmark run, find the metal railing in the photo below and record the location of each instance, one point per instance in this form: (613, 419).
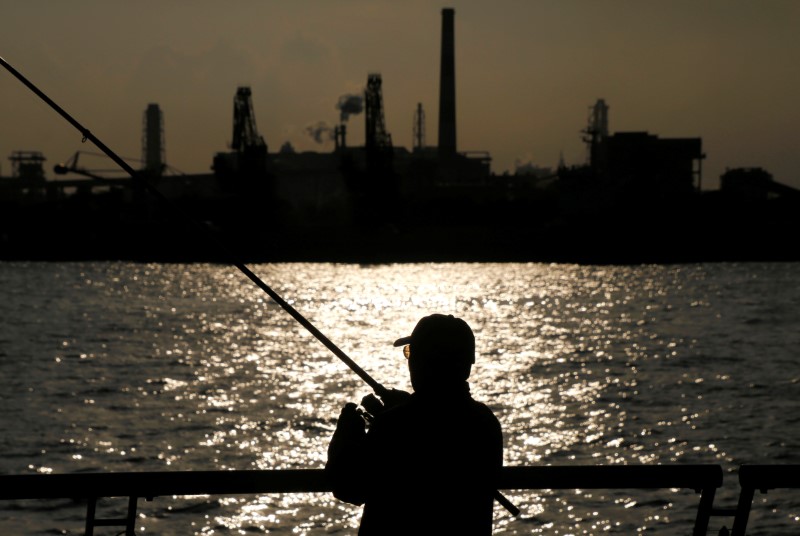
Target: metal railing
(762, 478)
(704, 479)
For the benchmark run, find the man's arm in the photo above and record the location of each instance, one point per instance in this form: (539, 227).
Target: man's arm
(346, 460)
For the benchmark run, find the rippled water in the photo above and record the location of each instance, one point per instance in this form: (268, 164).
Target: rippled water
(130, 367)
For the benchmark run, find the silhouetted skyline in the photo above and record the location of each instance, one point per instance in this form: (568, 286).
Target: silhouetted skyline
(526, 75)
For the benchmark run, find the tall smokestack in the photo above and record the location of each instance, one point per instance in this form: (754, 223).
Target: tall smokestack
(153, 139)
(447, 86)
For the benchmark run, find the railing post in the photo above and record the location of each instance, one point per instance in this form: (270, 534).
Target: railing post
(704, 511)
(91, 507)
(743, 511)
(130, 526)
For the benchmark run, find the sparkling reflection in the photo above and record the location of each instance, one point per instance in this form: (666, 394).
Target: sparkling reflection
(155, 367)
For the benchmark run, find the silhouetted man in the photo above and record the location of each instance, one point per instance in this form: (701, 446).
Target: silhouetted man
(430, 461)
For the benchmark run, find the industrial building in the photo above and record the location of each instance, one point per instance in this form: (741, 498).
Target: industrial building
(640, 163)
(377, 201)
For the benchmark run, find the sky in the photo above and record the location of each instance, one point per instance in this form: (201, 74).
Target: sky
(527, 71)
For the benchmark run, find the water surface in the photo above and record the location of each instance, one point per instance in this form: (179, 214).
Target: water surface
(132, 367)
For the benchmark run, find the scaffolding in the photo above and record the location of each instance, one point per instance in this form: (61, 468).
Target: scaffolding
(27, 166)
(376, 136)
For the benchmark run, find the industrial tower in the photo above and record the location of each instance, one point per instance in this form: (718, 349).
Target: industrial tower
(340, 136)
(153, 153)
(248, 156)
(245, 134)
(419, 128)
(596, 129)
(377, 139)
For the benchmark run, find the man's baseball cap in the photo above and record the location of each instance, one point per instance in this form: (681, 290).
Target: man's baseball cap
(443, 335)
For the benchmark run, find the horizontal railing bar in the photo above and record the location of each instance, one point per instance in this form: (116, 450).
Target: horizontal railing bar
(612, 476)
(161, 483)
(110, 522)
(769, 476)
(164, 483)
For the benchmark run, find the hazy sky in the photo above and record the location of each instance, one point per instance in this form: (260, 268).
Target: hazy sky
(527, 71)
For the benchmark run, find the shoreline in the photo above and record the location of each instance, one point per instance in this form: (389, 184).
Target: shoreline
(454, 245)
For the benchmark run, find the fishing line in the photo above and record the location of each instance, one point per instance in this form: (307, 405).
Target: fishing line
(379, 389)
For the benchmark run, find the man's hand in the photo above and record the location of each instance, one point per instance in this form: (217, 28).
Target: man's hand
(351, 423)
(391, 398)
(346, 455)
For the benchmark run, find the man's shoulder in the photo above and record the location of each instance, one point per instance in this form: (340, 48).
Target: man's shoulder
(485, 413)
(419, 409)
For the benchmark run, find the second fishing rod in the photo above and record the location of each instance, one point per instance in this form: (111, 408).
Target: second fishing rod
(179, 215)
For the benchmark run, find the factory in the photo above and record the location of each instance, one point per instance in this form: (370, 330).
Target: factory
(356, 180)
(377, 170)
(370, 202)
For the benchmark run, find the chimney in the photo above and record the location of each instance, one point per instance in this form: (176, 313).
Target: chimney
(447, 86)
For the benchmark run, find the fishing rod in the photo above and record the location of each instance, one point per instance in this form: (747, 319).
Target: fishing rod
(379, 389)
